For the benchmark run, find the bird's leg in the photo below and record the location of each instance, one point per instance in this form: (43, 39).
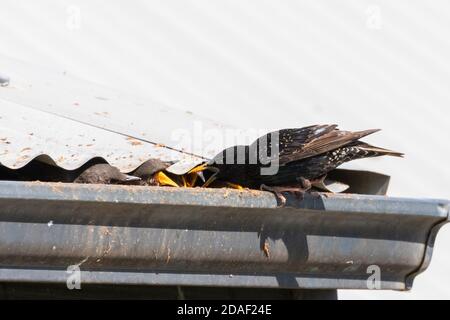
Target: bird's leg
(300, 190)
(305, 184)
(319, 180)
(277, 191)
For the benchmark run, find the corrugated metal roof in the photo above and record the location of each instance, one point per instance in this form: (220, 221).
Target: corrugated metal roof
(72, 121)
(361, 64)
(27, 133)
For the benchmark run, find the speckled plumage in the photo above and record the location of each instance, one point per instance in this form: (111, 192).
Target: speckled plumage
(303, 153)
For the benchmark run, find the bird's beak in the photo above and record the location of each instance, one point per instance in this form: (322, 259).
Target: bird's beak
(164, 180)
(199, 168)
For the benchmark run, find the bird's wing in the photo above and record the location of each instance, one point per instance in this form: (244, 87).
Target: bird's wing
(289, 141)
(301, 143)
(323, 143)
(292, 140)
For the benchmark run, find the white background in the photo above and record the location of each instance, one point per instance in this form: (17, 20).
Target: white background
(271, 64)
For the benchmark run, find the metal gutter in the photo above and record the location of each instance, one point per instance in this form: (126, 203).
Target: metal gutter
(169, 236)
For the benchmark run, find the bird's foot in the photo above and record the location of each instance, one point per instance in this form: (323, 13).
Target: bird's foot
(299, 191)
(277, 191)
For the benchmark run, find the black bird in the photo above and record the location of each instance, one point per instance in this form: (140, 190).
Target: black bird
(301, 156)
(104, 173)
(147, 170)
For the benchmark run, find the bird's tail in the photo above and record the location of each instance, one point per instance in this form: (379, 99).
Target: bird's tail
(373, 151)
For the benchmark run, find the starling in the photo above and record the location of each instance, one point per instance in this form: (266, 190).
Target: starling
(148, 170)
(104, 174)
(301, 156)
(153, 173)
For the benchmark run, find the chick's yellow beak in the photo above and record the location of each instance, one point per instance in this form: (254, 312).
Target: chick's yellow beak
(164, 180)
(199, 168)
